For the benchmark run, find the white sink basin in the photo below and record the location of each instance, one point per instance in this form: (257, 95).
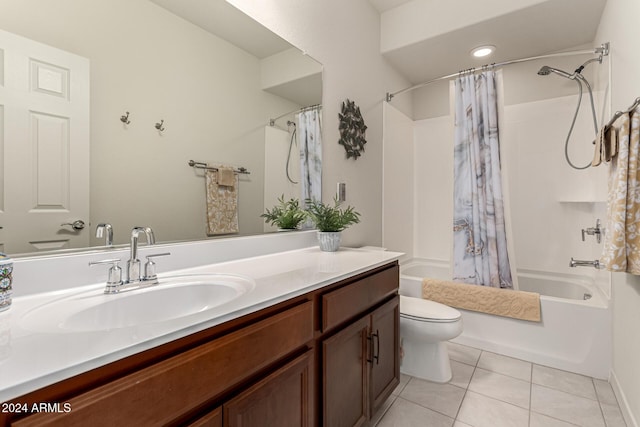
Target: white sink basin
(174, 297)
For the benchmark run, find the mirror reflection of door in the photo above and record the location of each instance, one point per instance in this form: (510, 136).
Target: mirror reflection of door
(44, 146)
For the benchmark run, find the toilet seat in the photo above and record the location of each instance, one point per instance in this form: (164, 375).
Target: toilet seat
(423, 310)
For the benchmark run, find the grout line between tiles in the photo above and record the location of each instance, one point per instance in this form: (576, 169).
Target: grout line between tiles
(466, 390)
(530, 395)
(395, 397)
(531, 384)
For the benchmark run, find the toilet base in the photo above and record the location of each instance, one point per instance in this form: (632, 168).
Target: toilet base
(428, 361)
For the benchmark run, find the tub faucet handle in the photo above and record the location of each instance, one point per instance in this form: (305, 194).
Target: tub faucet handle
(593, 231)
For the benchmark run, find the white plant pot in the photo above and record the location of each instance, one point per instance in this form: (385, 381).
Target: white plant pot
(329, 240)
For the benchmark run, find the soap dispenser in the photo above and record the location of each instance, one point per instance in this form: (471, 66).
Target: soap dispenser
(6, 279)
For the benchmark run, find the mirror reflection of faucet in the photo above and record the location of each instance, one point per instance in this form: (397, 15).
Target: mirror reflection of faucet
(593, 231)
(108, 238)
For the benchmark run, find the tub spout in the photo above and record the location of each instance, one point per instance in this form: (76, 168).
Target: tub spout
(582, 263)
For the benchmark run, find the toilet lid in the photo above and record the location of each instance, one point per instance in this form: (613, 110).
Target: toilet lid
(423, 309)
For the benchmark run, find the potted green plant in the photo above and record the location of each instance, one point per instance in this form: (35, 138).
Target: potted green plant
(330, 221)
(286, 215)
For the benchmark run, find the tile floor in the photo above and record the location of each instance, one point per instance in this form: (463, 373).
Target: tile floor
(491, 390)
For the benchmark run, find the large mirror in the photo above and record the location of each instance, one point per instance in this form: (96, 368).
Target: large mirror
(104, 122)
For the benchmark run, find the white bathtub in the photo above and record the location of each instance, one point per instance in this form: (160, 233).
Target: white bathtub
(575, 332)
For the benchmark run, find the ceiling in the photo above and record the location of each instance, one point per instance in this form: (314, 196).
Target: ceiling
(534, 28)
(225, 21)
(518, 28)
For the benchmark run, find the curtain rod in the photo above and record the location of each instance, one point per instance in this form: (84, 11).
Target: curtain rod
(272, 122)
(603, 50)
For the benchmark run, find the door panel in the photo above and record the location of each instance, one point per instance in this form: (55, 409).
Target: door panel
(345, 370)
(385, 368)
(284, 398)
(44, 146)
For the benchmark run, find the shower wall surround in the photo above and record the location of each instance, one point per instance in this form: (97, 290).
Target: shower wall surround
(549, 203)
(617, 26)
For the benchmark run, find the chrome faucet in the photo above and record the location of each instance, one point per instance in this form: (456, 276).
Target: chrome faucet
(101, 228)
(593, 231)
(581, 263)
(133, 279)
(132, 274)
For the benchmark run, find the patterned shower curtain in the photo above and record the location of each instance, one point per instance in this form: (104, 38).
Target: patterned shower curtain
(479, 235)
(310, 145)
(622, 237)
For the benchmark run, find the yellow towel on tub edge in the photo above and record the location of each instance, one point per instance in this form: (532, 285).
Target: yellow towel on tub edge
(501, 302)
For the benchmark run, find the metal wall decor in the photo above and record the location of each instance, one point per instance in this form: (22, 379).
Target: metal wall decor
(352, 129)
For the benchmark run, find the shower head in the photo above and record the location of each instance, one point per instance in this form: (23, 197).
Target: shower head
(546, 70)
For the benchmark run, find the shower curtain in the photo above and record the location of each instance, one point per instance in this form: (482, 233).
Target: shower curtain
(310, 145)
(622, 240)
(479, 234)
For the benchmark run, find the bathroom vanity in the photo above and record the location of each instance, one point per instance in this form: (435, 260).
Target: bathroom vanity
(315, 342)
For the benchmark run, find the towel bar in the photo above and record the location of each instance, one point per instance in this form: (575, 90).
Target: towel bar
(201, 165)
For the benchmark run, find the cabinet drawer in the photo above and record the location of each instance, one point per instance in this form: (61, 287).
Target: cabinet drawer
(164, 391)
(355, 298)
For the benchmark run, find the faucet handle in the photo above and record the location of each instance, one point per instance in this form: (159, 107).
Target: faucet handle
(115, 272)
(150, 267)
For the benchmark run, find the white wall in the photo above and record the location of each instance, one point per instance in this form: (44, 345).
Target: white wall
(550, 202)
(433, 165)
(398, 182)
(158, 66)
(619, 25)
(277, 144)
(345, 37)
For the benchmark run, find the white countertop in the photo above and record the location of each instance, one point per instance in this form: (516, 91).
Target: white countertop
(30, 359)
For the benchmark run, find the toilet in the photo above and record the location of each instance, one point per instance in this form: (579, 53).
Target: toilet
(425, 326)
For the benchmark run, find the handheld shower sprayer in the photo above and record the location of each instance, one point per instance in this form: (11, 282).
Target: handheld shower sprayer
(546, 70)
(579, 79)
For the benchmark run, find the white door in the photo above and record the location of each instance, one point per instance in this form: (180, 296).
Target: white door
(44, 146)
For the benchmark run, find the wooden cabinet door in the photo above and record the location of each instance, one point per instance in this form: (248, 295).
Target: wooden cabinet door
(345, 376)
(284, 398)
(162, 392)
(385, 366)
(212, 419)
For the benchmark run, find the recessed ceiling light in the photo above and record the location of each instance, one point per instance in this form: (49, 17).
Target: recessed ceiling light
(482, 51)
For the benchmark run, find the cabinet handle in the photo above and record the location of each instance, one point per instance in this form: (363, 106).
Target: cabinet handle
(370, 348)
(376, 356)
(374, 353)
